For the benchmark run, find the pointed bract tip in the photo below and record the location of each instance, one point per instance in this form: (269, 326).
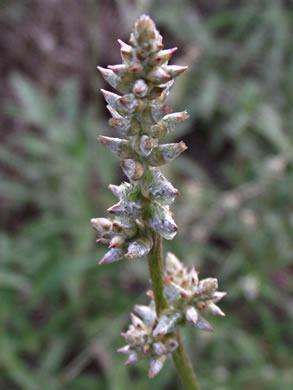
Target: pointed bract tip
(173, 49)
(118, 69)
(122, 44)
(133, 358)
(217, 311)
(191, 315)
(164, 75)
(103, 261)
(101, 241)
(102, 139)
(103, 71)
(183, 69)
(218, 295)
(155, 367)
(151, 373)
(137, 322)
(182, 146)
(125, 349)
(203, 324)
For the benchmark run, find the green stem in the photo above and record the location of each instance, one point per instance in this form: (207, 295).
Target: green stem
(156, 268)
(180, 358)
(184, 367)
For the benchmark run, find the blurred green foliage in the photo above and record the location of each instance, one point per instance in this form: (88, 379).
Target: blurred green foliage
(61, 314)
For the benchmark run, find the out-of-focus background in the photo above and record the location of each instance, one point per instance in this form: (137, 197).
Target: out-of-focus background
(60, 313)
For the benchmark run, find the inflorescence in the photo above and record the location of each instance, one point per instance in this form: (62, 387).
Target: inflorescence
(141, 117)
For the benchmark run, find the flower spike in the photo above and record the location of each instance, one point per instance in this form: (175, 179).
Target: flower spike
(138, 112)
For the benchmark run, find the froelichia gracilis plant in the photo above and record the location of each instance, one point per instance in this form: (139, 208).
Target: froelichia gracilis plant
(142, 216)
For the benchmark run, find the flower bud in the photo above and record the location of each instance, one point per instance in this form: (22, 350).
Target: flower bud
(117, 242)
(120, 147)
(136, 68)
(214, 309)
(113, 112)
(164, 153)
(159, 349)
(193, 277)
(191, 314)
(174, 292)
(126, 51)
(109, 76)
(156, 365)
(166, 323)
(137, 322)
(126, 349)
(129, 231)
(126, 209)
(147, 313)
(160, 219)
(173, 265)
(157, 187)
(101, 225)
(203, 324)
(125, 191)
(133, 169)
(162, 56)
(103, 240)
(119, 69)
(218, 295)
(208, 286)
(124, 105)
(113, 255)
(139, 248)
(133, 358)
(168, 124)
(143, 145)
(172, 345)
(159, 111)
(158, 76)
(140, 88)
(116, 190)
(122, 123)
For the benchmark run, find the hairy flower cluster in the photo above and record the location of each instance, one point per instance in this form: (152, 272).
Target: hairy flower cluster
(139, 114)
(142, 341)
(189, 298)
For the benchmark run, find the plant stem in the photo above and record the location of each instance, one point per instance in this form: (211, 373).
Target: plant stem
(184, 368)
(180, 358)
(156, 268)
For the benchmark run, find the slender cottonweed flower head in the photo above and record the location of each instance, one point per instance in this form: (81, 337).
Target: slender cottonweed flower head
(141, 119)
